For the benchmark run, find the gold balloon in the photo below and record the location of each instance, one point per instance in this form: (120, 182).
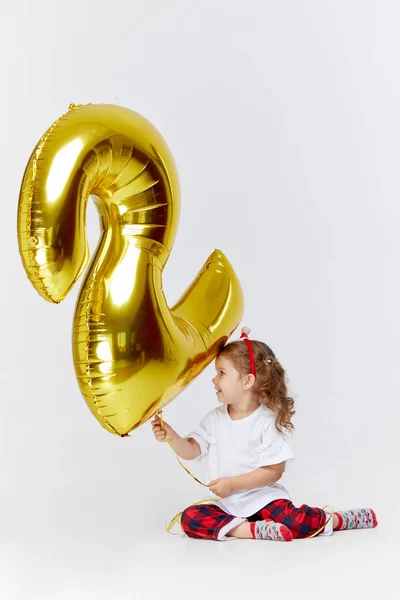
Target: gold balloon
(132, 353)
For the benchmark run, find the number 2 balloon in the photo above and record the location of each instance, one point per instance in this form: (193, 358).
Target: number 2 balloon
(132, 353)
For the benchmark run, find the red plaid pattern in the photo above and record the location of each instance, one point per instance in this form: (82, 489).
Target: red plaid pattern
(206, 520)
(302, 522)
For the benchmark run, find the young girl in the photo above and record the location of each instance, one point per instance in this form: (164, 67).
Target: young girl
(245, 450)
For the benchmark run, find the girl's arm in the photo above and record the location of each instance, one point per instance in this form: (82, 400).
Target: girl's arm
(258, 478)
(188, 449)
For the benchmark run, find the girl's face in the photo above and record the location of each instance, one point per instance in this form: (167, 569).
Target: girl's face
(228, 382)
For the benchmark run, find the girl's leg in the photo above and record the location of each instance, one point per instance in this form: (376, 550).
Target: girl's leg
(242, 531)
(302, 522)
(206, 521)
(305, 521)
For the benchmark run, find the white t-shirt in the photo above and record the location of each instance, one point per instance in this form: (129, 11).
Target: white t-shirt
(234, 447)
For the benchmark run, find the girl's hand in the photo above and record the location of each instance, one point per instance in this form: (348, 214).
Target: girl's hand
(222, 487)
(161, 433)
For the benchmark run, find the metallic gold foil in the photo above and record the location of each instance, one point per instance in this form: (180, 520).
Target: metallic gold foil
(133, 353)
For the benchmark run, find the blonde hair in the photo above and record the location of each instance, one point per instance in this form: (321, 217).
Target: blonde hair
(270, 383)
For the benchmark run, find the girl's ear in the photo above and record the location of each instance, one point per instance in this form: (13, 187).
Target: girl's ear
(249, 381)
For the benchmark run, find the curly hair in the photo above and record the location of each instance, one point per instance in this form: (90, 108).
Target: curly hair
(270, 384)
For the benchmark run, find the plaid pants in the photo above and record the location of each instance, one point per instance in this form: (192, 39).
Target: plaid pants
(206, 520)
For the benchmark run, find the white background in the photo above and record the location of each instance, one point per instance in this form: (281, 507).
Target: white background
(284, 121)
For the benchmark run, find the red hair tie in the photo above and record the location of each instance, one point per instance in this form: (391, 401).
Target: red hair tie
(245, 337)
